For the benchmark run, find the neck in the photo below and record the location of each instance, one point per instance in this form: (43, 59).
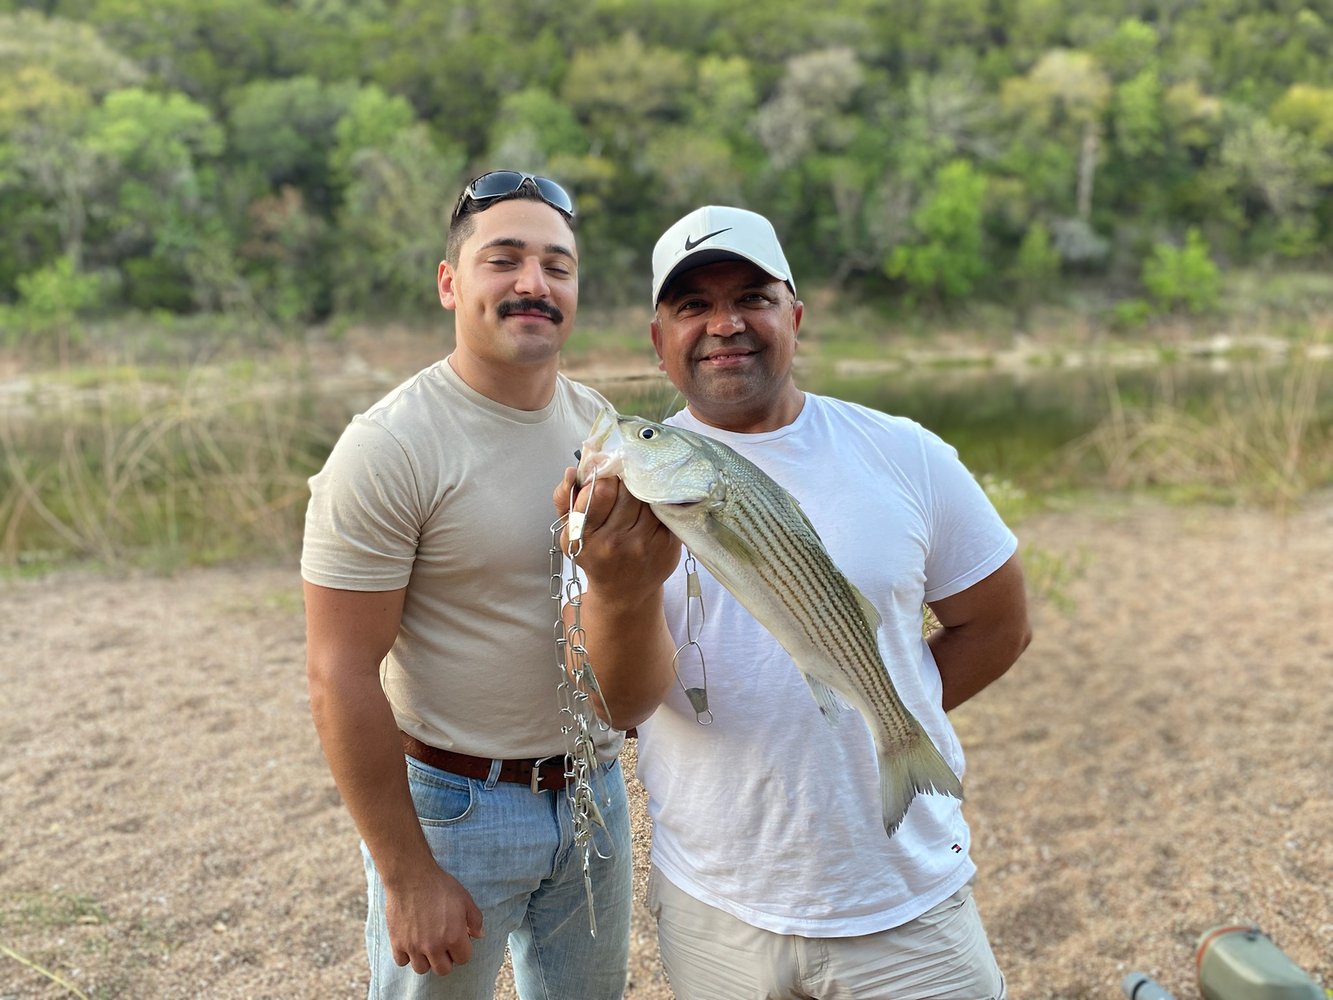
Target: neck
(520, 386)
(743, 419)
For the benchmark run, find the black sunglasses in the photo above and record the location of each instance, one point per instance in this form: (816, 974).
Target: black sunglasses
(500, 184)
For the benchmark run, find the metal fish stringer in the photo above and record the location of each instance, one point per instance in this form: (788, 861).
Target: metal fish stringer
(578, 686)
(698, 696)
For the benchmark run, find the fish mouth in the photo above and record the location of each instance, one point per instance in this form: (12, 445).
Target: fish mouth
(600, 454)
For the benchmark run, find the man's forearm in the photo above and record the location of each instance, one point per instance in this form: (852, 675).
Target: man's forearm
(970, 658)
(630, 650)
(364, 751)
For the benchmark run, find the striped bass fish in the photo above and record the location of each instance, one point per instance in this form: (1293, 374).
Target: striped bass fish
(754, 538)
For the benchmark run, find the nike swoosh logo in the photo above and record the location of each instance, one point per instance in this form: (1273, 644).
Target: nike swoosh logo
(691, 244)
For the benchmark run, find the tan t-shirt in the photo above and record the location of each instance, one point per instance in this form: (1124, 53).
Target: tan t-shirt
(444, 491)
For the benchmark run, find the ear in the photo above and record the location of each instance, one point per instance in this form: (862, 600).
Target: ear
(444, 281)
(797, 311)
(655, 328)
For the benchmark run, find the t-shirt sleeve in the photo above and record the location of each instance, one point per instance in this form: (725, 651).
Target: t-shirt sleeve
(364, 518)
(968, 539)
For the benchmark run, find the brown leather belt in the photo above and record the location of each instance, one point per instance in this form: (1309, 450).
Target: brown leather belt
(538, 773)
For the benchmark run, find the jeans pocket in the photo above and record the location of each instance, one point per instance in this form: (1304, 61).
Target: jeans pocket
(440, 799)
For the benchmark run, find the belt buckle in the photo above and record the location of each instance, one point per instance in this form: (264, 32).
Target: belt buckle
(535, 781)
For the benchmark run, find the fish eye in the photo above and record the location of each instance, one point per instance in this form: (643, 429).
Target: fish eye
(647, 433)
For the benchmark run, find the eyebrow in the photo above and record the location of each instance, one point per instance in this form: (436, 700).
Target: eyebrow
(682, 289)
(517, 244)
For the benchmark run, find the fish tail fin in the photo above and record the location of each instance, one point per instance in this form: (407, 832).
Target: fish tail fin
(905, 773)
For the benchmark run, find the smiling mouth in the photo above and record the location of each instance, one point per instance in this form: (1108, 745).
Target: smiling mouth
(728, 357)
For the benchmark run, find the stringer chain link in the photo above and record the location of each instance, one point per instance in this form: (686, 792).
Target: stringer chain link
(574, 694)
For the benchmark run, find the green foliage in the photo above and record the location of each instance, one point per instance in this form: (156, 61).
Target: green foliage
(1308, 110)
(1183, 277)
(1036, 266)
(534, 128)
(54, 296)
(287, 128)
(1130, 314)
(945, 259)
(394, 223)
(259, 156)
(373, 119)
(1137, 116)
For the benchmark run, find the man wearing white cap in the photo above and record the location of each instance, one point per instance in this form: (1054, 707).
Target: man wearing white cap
(772, 874)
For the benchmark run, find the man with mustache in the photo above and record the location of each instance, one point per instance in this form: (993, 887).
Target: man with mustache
(772, 873)
(430, 634)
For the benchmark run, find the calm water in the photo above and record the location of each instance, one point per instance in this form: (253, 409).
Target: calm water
(1025, 426)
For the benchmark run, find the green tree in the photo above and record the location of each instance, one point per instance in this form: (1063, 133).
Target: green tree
(392, 223)
(1277, 173)
(1183, 278)
(1308, 110)
(287, 129)
(203, 50)
(158, 154)
(534, 128)
(372, 120)
(1034, 269)
(1066, 93)
(51, 300)
(52, 73)
(944, 259)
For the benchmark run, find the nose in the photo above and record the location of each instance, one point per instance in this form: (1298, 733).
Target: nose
(531, 279)
(725, 321)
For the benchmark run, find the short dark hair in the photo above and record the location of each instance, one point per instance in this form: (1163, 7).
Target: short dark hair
(464, 224)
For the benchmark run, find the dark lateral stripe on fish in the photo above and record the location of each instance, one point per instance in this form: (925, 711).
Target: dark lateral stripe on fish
(803, 579)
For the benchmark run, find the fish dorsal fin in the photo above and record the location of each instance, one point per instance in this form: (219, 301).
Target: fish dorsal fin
(869, 610)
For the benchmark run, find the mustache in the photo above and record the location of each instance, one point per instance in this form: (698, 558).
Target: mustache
(511, 306)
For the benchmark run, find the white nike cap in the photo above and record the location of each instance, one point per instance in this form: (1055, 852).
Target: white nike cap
(715, 233)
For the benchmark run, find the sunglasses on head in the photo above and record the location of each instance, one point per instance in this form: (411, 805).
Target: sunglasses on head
(499, 184)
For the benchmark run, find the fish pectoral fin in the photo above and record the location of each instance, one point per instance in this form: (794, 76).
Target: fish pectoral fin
(733, 543)
(830, 703)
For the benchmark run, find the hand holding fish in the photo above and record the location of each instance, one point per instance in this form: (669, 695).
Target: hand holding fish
(623, 542)
(626, 554)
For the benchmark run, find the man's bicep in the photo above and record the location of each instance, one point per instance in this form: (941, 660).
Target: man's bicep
(995, 599)
(351, 626)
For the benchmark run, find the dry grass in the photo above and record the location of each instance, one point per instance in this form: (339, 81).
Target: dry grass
(1157, 763)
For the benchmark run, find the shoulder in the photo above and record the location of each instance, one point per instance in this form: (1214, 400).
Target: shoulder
(581, 402)
(579, 392)
(420, 392)
(841, 414)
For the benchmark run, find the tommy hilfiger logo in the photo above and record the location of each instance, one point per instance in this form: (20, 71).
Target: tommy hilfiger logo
(691, 244)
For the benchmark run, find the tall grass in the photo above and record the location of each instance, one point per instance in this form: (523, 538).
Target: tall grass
(1264, 437)
(203, 468)
(152, 467)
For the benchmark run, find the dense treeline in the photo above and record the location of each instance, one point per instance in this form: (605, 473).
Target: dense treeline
(297, 159)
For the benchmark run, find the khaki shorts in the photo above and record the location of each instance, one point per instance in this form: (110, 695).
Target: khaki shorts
(710, 955)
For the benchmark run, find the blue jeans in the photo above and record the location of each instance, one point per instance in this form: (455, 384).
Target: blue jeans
(514, 852)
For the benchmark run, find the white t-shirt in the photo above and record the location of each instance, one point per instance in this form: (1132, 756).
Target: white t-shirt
(771, 812)
(447, 492)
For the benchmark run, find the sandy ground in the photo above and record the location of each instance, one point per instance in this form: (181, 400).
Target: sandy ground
(1160, 761)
